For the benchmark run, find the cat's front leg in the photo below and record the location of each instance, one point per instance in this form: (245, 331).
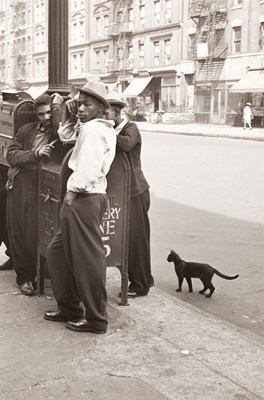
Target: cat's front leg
(189, 281)
(180, 280)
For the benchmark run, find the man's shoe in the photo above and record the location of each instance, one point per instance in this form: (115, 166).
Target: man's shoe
(58, 316)
(55, 316)
(83, 326)
(7, 265)
(27, 288)
(132, 294)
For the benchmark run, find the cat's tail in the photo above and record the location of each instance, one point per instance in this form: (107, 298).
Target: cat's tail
(224, 276)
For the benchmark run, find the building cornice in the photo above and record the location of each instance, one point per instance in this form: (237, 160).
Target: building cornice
(168, 27)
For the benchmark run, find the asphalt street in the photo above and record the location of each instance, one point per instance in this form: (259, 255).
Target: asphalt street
(208, 205)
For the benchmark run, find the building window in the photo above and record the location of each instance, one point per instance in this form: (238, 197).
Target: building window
(2, 25)
(106, 25)
(237, 39)
(77, 64)
(40, 68)
(40, 40)
(77, 33)
(29, 44)
(98, 60)
(142, 16)
(191, 45)
(261, 36)
(167, 45)
(141, 55)
(237, 2)
(130, 19)
(105, 60)
(156, 53)
(119, 58)
(168, 94)
(77, 5)
(130, 57)
(29, 16)
(157, 11)
(168, 10)
(74, 5)
(40, 12)
(29, 68)
(23, 17)
(98, 27)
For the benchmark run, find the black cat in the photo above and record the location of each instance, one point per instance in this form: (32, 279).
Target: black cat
(190, 270)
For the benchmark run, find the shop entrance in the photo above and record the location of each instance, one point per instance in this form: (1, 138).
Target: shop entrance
(156, 101)
(218, 107)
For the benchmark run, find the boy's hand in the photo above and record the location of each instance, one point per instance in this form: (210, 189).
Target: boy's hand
(72, 106)
(45, 150)
(69, 197)
(57, 98)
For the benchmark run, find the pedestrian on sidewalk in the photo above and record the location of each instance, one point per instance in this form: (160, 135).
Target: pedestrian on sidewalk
(247, 116)
(76, 255)
(129, 141)
(24, 155)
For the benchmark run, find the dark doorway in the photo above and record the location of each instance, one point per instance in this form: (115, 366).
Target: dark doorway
(156, 101)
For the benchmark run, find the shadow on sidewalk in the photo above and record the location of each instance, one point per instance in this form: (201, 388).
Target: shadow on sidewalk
(230, 245)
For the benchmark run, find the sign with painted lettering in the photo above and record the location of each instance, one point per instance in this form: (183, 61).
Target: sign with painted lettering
(115, 223)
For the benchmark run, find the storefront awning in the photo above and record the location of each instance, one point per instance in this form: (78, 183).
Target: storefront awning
(136, 86)
(36, 91)
(253, 81)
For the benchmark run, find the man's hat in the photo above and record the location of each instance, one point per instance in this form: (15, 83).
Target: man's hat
(114, 98)
(96, 89)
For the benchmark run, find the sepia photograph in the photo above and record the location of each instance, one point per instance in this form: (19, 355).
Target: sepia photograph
(131, 199)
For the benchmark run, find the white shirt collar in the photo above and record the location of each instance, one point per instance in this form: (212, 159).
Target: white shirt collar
(119, 127)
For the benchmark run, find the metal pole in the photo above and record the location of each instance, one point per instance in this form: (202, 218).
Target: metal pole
(58, 46)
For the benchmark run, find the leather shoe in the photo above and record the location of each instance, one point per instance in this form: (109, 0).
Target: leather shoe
(131, 294)
(7, 265)
(27, 288)
(83, 326)
(57, 316)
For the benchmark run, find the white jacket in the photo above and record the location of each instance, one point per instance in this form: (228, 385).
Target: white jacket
(92, 156)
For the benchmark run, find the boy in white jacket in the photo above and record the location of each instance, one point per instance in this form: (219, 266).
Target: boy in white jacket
(76, 255)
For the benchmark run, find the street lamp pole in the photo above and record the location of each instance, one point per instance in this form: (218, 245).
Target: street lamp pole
(58, 47)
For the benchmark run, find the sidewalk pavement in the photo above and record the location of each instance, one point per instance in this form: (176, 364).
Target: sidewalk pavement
(156, 348)
(209, 130)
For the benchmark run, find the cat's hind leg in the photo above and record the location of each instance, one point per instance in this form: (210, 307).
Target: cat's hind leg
(205, 283)
(212, 289)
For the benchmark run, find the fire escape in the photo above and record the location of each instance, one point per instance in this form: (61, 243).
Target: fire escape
(210, 48)
(19, 42)
(121, 36)
(2, 54)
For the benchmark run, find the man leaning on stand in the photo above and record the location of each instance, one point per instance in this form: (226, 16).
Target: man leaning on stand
(28, 147)
(129, 141)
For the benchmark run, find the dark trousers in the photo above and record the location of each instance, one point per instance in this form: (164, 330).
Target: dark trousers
(3, 227)
(139, 264)
(76, 260)
(22, 224)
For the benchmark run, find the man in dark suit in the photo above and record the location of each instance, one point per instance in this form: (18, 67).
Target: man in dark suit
(129, 141)
(31, 143)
